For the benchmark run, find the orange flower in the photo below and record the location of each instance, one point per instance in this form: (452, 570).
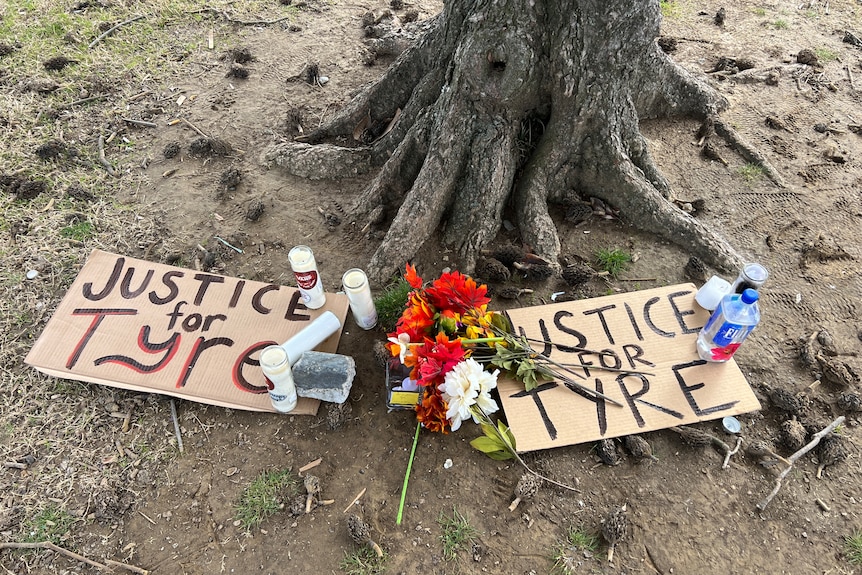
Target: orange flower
(411, 277)
(431, 410)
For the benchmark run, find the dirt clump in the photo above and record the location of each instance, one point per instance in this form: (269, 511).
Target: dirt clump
(207, 147)
(57, 63)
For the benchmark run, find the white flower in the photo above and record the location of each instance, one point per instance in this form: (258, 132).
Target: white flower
(467, 385)
(403, 342)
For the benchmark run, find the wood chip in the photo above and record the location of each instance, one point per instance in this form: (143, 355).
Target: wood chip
(181, 99)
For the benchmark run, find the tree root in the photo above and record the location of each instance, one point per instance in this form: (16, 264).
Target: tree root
(461, 95)
(747, 151)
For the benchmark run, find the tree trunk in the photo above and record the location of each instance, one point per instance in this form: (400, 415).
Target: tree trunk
(530, 103)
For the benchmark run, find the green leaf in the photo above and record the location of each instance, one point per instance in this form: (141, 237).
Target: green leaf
(500, 321)
(500, 455)
(487, 444)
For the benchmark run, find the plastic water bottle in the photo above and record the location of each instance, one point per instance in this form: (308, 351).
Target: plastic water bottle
(730, 323)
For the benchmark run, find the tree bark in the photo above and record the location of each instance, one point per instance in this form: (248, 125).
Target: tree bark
(522, 104)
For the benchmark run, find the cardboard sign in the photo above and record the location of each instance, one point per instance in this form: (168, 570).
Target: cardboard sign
(652, 332)
(151, 327)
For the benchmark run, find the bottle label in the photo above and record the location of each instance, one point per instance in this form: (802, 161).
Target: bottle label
(306, 280)
(730, 333)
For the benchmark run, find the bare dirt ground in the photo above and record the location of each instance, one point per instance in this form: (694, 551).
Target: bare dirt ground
(174, 513)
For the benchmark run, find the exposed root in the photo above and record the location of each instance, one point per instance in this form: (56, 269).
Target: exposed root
(747, 151)
(461, 94)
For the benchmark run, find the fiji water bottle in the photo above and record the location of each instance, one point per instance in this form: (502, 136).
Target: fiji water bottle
(730, 323)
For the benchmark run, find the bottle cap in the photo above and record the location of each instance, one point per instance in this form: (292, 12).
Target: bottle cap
(731, 424)
(750, 296)
(756, 273)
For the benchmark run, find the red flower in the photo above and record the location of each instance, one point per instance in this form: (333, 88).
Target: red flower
(431, 410)
(457, 292)
(436, 358)
(724, 353)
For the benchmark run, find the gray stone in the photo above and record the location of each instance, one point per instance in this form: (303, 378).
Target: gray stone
(324, 376)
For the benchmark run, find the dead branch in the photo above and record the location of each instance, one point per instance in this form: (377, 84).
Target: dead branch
(110, 31)
(793, 458)
(108, 566)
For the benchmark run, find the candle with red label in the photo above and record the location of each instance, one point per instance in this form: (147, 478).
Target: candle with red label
(304, 268)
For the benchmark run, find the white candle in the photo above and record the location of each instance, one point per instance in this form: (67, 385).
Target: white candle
(279, 378)
(304, 268)
(311, 335)
(358, 292)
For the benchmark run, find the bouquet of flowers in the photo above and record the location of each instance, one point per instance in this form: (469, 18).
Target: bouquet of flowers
(437, 335)
(447, 338)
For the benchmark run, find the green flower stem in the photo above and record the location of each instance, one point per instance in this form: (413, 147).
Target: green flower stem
(407, 475)
(476, 410)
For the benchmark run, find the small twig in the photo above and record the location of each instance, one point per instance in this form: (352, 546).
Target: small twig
(102, 160)
(795, 457)
(242, 22)
(139, 95)
(110, 31)
(234, 248)
(140, 123)
(730, 453)
(355, 499)
(108, 566)
(144, 515)
(84, 101)
(195, 128)
(822, 505)
(15, 465)
(176, 425)
(850, 77)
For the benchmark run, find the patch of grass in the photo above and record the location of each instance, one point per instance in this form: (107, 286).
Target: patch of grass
(758, 11)
(390, 304)
(570, 551)
(363, 561)
(79, 231)
(751, 172)
(457, 533)
(613, 261)
(51, 524)
(264, 497)
(853, 547)
(780, 24)
(670, 9)
(825, 54)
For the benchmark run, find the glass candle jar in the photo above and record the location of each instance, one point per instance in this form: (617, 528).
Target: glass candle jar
(279, 378)
(304, 268)
(355, 284)
(752, 276)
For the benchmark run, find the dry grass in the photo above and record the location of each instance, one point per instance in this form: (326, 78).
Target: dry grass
(71, 450)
